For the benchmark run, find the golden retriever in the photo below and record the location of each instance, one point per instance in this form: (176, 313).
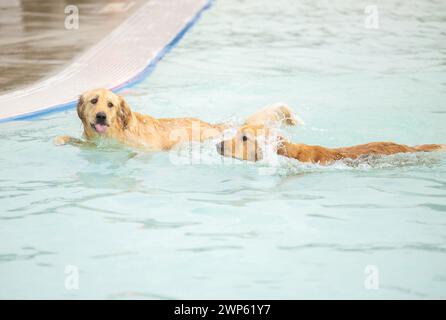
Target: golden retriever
(107, 115)
(247, 145)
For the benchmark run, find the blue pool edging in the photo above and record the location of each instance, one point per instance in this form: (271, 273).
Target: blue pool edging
(129, 83)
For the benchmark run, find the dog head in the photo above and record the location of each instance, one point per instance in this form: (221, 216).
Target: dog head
(103, 113)
(249, 143)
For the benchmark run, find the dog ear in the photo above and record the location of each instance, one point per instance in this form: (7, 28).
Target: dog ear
(80, 107)
(124, 113)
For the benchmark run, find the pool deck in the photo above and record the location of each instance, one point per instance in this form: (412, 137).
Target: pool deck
(122, 58)
(36, 43)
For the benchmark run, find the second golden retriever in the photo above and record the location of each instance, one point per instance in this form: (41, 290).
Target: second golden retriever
(249, 144)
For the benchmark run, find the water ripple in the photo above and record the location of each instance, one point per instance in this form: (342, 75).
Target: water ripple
(368, 248)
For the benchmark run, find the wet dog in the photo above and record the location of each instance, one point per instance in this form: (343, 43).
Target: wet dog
(105, 114)
(249, 144)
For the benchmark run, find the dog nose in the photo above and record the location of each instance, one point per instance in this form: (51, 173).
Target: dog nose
(101, 116)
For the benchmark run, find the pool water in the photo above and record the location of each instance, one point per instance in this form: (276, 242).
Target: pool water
(114, 223)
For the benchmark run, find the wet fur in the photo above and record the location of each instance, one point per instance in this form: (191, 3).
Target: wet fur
(322, 155)
(143, 131)
(274, 115)
(251, 149)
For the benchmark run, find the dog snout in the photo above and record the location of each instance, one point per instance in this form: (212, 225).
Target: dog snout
(101, 117)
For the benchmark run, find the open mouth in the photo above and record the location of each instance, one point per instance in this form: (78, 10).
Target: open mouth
(99, 127)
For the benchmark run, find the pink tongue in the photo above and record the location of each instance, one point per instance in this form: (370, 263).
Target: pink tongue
(100, 127)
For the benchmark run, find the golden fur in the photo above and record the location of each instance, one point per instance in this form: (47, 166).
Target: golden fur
(106, 114)
(273, 115)
(246, 146)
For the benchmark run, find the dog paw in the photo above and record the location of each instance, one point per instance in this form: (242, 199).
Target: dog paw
(288, 115)
(61, 140)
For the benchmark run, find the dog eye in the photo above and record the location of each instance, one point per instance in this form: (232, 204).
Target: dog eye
(94, 101)
(245, 138)
(110, 105)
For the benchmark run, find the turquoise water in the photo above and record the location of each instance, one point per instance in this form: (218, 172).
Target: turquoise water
(140, 225)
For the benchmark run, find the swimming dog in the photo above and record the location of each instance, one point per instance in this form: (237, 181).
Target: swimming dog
(246, 145)
(107, 115)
